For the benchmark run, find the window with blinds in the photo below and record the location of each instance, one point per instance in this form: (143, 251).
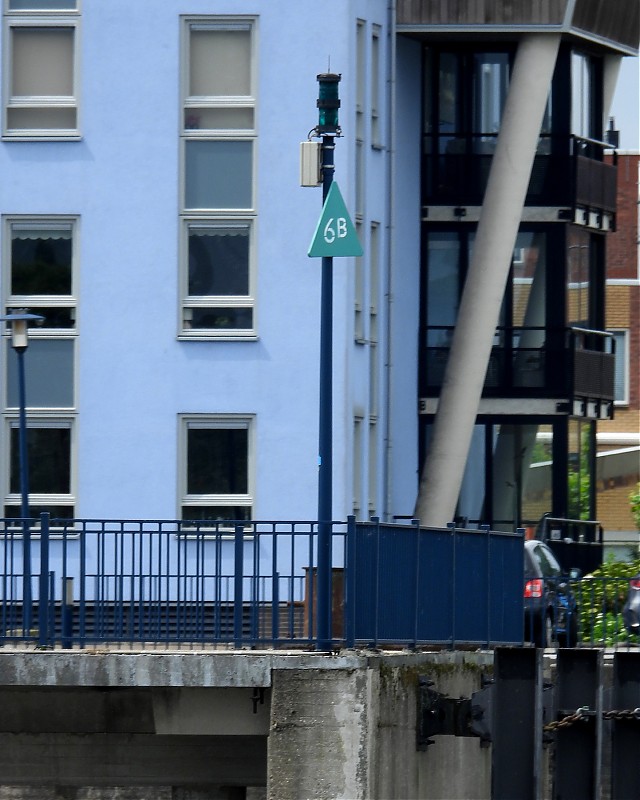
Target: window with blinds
(40, 69)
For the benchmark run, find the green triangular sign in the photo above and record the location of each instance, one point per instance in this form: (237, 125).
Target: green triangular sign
(335, 233)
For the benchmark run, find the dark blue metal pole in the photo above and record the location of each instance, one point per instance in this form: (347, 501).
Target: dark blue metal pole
(238, 584)
(325, 453)
(24, 494)
(43, 593)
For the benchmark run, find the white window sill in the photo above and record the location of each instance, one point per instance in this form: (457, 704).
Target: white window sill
(44, 137)
(218, 337)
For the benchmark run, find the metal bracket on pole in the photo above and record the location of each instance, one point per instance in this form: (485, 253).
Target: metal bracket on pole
(439, 715)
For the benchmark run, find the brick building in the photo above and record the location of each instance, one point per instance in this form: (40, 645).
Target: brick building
(619, 439)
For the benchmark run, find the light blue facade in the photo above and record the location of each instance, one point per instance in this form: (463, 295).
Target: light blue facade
(134, 376)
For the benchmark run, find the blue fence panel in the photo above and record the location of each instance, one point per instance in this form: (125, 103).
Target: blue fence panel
(386, 583)
(470, 589)
(506, 576)
(436, 608)
(415, 585)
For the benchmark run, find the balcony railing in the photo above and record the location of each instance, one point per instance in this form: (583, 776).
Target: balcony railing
(567, 172)
(572, 364)
(593, 373)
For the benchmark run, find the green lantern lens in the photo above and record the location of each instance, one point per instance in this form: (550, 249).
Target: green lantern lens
(328, 102)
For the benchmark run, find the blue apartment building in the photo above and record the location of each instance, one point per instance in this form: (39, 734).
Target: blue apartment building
(152, 213)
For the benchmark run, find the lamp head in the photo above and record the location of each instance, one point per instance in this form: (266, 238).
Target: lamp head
(328, 103)
(18, 322)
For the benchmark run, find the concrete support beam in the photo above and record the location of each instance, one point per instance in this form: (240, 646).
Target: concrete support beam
(320, 735)
(131, 759)
(196, 669)
(484, 287)
(130, 793)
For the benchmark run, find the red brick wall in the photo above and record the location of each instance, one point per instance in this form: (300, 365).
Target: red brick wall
(622, 245)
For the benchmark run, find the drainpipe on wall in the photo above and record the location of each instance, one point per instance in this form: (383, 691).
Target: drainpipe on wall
(391, 104)
(488, 272)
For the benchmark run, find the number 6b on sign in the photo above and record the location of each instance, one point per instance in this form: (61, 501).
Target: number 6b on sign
(335, 234)
(333, 228)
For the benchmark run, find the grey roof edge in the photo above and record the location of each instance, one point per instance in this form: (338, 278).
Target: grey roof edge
(482, 29)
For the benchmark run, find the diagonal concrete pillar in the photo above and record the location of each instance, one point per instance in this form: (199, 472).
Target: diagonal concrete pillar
(513, 449)
(484, 287)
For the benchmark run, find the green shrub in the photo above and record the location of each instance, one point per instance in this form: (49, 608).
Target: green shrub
(601, 597)
(634, 501)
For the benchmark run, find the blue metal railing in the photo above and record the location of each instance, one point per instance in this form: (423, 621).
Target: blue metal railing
(254, 583)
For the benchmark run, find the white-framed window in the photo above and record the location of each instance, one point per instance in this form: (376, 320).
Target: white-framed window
(40, 270)
(217, 187)
(218, 277)
(39, 274)
(621, 378)
(50, 449)
(216, 452)
(41, 69)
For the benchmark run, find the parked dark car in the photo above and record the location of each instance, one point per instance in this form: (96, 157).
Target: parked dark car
(550, 608)
(631, 610)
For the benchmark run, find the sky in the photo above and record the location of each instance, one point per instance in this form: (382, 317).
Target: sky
(626, 104)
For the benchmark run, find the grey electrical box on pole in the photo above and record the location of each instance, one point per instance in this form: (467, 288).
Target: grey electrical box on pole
(310, 167)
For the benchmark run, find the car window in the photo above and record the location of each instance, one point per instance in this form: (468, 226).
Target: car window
(548, 564)
(529, 562)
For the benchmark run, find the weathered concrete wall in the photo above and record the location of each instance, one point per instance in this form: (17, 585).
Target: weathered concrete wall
(351, 734)
(454, 767)
(402, 771)
(319, 734)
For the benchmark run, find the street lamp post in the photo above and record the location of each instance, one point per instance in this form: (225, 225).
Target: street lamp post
(328, 128)
(18, 323)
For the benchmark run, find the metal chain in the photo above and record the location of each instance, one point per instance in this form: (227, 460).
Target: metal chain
(622, 714)
(570, 719)
(582, 714)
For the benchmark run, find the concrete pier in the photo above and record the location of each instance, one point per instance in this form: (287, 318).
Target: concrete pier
(225, 726)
